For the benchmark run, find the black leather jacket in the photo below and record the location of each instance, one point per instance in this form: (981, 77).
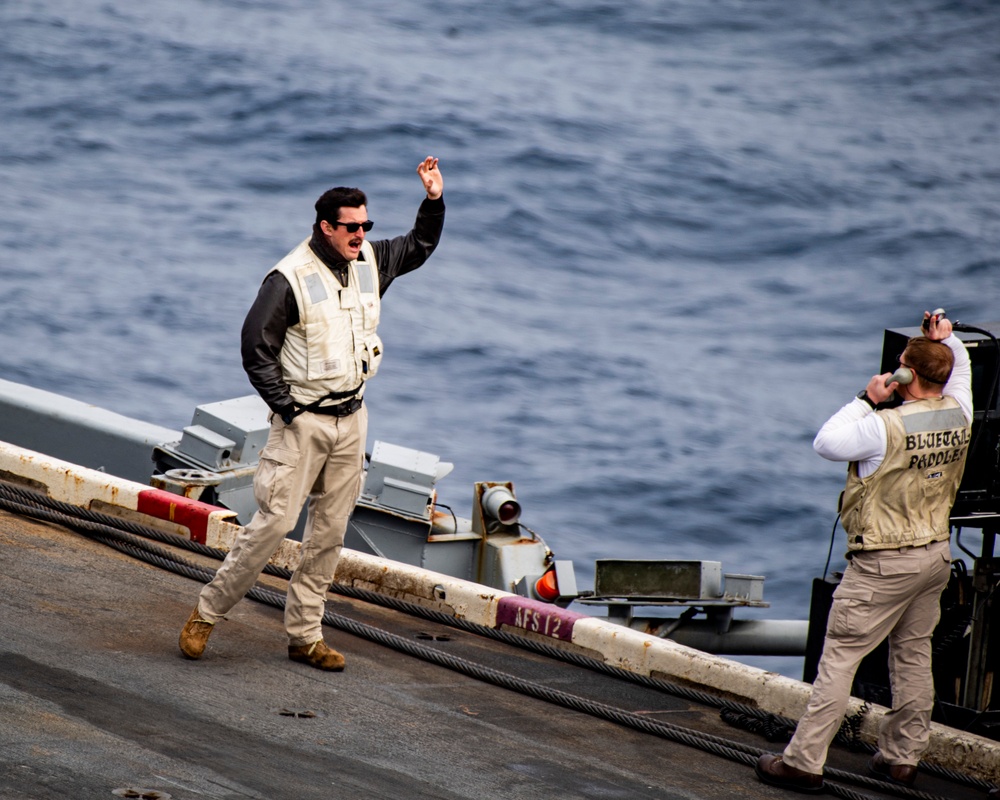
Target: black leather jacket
(275, 309)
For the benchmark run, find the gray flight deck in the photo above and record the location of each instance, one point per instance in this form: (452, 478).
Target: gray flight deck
(96, 701)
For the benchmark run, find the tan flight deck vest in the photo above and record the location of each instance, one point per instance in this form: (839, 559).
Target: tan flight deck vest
(908, 499)
(334, 347)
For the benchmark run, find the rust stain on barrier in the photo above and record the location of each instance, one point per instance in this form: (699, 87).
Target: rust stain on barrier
(387, 580)
(21, 480)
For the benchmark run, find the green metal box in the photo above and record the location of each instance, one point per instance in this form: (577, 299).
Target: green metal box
(658, 580)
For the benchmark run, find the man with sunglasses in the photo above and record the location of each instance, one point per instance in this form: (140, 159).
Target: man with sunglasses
(309, 346)
(906, 464)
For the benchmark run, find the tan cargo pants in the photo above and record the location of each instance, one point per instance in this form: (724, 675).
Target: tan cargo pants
(318, 457)
(884, 593)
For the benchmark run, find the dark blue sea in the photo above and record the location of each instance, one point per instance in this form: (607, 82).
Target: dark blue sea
(676, 232)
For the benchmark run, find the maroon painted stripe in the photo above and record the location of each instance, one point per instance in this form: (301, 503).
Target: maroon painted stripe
(537, 617)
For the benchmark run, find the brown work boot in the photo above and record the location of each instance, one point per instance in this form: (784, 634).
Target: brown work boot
(317, 655)
(773, 770)
(195, 635)
(900, 774)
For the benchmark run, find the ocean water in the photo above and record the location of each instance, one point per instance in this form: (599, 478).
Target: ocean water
(675, 232)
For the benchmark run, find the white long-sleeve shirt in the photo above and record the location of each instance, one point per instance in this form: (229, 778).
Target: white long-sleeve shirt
(856, 434)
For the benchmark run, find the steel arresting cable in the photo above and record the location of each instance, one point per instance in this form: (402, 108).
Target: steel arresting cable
(130, 538)
(31, 497)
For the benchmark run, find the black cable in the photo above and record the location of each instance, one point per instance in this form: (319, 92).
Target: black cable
(829, 553)
(962, 547)
(454, 517)
(111, 531)
(770, 727)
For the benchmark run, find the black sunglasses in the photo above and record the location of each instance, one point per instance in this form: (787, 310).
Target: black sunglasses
(352, 227)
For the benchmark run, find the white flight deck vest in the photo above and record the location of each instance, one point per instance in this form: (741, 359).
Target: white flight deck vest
(334, 346)
(907, 501)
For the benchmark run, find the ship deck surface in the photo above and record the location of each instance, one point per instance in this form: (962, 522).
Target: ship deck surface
(96, 701)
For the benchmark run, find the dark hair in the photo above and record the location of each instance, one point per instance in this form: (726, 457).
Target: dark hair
(932, 361)
(331, 201)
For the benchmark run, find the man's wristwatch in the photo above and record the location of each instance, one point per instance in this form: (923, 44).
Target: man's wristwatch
(863, 395)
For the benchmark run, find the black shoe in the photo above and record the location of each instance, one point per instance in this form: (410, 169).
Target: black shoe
(900, 774)
(773, 770)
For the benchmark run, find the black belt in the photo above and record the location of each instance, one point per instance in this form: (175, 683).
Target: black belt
(344, 409)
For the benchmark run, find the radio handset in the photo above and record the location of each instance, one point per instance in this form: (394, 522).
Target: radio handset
(937, 315)
(903, 376)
